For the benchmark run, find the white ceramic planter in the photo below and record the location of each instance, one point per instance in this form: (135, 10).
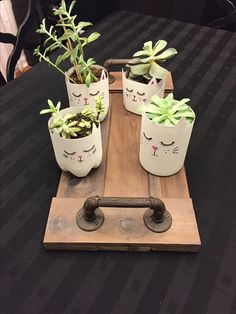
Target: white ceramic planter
(77, 156)
(80, 95)
(163, 148)
(136, 93)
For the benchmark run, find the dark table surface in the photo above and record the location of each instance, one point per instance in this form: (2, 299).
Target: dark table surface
(34, 280)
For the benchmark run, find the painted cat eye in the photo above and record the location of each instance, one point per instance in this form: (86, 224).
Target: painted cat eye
(69, 153)
(76, 95)
(166, 145)
(89, 150)
(147, 138)
(140, 94)
(129, 90)
(94, 94)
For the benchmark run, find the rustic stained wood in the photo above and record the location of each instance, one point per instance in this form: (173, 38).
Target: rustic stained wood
(121, 174)
(122, 228)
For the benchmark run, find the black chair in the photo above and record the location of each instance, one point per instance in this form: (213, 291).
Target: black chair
(227, 22)
(18, 41)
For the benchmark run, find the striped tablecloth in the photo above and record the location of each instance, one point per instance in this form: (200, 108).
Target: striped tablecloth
(34, 280)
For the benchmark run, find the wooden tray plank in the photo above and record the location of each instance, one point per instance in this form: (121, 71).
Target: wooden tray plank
(124, 176)
(172, 186)
(116, 86)
(122, 228)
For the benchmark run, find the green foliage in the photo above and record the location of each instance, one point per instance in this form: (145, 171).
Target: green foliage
(74, 125)
(146, 63)
(99, 105)
(72, 43)
(168, 111)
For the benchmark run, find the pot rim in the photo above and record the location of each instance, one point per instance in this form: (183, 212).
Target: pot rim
(163, 80)
(68, 72)
(94, 128)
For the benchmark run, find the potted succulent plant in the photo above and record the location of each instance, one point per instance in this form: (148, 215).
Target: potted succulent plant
(165, 133)
(76, 137)
(84, 79)
(145, 76)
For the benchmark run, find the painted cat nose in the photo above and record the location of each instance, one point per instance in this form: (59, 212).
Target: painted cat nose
(154, 147)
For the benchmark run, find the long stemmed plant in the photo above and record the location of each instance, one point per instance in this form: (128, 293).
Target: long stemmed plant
(72, 42)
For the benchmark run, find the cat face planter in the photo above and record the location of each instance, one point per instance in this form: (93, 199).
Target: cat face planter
(136, 93)
(78, 155)
(80, 95)
(163, 148)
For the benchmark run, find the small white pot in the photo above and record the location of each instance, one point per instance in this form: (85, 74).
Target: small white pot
(78, 155)
(136, 93)
(80, 95)
(163, 148)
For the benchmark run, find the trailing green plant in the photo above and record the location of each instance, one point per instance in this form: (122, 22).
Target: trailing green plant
(72, 43)
(74, 125)
(146, 63)
(168, 111)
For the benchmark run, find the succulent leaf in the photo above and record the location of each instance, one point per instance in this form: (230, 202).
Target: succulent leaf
(150, 58)
(58, 106)
(93, 37)
(82, 25)
(168, 111)
(148, 46)
(44, 111)
(135, 61)
(157, 71)
(88, 80)
(141, 53)
(160, 45)
(140, 69)
(51, 105)
(167, 54)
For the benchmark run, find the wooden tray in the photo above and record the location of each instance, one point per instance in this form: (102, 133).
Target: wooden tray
(121, 174)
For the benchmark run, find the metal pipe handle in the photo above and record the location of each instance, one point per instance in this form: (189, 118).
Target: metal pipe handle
(111, 62)
(90, 216)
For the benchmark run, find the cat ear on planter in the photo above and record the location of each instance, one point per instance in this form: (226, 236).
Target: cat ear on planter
(183, 123)
(103, 76)
(123, 74)
(95, 128)
(66, 76)
(153, 82)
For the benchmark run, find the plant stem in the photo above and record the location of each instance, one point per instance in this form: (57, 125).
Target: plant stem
(55, 40)
(69, 45)
(75, 30)
(52, 64)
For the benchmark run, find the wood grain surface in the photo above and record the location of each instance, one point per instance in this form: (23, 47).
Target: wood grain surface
(122, 228)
